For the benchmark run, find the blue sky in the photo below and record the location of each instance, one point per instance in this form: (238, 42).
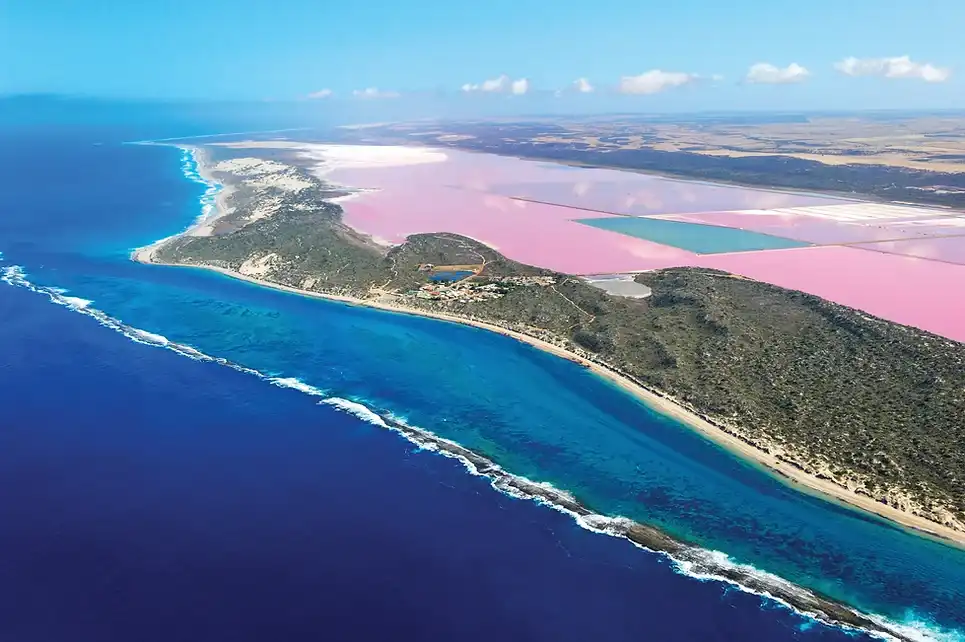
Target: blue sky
(686, 55)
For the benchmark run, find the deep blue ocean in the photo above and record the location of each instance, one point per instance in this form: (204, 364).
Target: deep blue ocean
(188, 457)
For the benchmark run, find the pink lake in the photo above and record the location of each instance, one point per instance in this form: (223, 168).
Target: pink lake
(949, 249)
(480, 196)
(908, 290)
(801, 228)
(531, 233)
(641, 195)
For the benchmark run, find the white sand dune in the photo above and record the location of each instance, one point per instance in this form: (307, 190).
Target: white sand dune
(333, 157)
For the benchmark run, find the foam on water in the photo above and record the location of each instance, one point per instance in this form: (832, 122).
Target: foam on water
(914, 628)
(190, 166)
(15, 276)
(691, 561)
(359, 410)
(296, 384)
(77, 302)
(150, 337)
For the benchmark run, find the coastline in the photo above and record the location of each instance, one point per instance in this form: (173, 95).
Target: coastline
(769, 524)
(212, 209)
(215, 206)
(780, 469)
(688, 559)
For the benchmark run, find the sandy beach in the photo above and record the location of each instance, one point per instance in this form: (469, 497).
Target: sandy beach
(785, 472)
(206, 223)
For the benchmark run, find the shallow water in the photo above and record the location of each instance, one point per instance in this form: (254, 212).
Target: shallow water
(700, 239)
(251, 451)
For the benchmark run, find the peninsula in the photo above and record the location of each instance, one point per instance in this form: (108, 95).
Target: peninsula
(836, 400)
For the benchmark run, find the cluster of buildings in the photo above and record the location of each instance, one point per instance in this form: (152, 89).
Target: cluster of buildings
(466, 291)
(461, 292)
(526, 281)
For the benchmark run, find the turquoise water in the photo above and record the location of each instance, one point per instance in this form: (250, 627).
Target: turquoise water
(534, 414)
(550, 420)
(701, 239)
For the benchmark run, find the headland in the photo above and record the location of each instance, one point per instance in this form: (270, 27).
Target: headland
(282, 228)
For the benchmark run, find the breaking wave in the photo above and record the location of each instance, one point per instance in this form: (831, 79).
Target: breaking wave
(295, 384)
(358, 410)
(692, 561)
(14, 275)
(191, 167)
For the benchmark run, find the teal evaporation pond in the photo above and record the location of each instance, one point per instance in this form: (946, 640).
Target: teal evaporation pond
(700, 239)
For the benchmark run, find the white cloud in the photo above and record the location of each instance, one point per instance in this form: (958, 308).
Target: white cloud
(499, 85)
(766, 73)
(495, 85)
(579, 86)
(583, 86)
(372, 92)
(895, 67)
(520, 87)
(321, 93)
(654, 81)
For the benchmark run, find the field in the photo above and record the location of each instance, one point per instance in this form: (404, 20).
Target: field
(935, 143)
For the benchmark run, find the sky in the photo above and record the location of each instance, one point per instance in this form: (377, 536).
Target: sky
(441, 57)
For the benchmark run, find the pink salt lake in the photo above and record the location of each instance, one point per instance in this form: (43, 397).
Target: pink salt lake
(526, 210)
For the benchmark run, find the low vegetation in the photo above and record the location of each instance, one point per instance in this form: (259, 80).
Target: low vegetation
(871, 405)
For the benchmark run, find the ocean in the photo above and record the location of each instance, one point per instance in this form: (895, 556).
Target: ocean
(185, 456)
